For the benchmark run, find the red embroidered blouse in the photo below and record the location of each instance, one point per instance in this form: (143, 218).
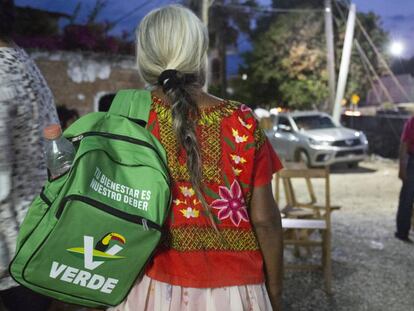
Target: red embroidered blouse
(236, 156)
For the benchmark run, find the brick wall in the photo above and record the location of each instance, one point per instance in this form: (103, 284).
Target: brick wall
(78, 79)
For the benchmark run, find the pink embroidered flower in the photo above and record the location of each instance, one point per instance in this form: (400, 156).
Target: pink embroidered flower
(245, 108)
(231, 204)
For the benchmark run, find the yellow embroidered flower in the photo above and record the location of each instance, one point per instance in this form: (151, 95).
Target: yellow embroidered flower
(237, 138)
(237, 171)
(246, 125)
(189, 212)
(178, 202)
(238, 159)
(195, 202)
(187, 191)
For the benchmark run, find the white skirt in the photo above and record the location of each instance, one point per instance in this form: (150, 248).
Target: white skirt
(152, 295)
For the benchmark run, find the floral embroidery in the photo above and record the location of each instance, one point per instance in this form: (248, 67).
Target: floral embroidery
(231, 204)
(245, 108)
(189, 212)
(239, 139)
(209, 138)
(238, 159)
(237, 171)
(187, 191)
(246, 125)
(178, 202)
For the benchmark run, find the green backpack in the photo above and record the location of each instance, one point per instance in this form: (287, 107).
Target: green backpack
(88, 235)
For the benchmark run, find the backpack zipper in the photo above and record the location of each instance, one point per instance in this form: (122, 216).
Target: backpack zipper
(76, 138)
(114, 136)
(146, 223)
(123, 138)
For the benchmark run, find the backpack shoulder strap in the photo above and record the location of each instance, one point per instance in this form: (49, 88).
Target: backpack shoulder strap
(133, 104)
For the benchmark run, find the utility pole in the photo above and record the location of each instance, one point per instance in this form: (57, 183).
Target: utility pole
(205, 6)
(200, 7)
(345, 61)
(204, 11)
(330, 48)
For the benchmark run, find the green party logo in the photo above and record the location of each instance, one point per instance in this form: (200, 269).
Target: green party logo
(105, 249)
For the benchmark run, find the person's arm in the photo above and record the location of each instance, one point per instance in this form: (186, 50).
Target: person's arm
(5, 141)
(403, 155)
(265, 218)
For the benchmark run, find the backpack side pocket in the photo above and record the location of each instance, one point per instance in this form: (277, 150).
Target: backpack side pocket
(38, 209)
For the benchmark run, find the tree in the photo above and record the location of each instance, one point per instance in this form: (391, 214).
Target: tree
(288, 60)
(89, 36)
(224, 29)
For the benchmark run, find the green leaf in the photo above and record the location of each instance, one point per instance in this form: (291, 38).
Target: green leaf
(249, 146)
(230, 143)
(244, 185)
(210, 193)
(226, 180)
(215, 218)
(249, 115)
(151, 126)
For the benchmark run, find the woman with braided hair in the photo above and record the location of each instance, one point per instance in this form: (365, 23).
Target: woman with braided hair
(223, 249)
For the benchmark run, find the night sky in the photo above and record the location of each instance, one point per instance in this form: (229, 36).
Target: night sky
(397, 15)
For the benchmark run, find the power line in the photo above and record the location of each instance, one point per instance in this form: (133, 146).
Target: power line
(268, 10)
(365, 59)
(381, 58)
(132, 12)
(367, 62)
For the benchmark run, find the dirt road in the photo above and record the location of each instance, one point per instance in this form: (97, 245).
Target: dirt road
(371, 269)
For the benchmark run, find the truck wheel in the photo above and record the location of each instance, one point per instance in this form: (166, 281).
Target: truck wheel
(352, 164)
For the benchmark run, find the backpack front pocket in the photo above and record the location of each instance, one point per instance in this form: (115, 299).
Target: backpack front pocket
(86, 253)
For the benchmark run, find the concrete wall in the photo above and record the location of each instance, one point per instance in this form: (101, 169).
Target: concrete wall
(78, 80)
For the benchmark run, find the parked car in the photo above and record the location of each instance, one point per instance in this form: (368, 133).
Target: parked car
(314, 138)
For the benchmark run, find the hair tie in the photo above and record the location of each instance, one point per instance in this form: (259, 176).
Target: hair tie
(169, 79)
(173, 79)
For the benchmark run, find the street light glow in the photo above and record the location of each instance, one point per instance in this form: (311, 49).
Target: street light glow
(397, 48)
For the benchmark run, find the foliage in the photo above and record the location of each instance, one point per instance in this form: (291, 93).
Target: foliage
(287, 65)
(229, 21)
(226, 23)
(35, 22)
(90, 36)
(290, 56)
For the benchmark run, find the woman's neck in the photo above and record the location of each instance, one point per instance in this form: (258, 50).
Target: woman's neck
(199, 96)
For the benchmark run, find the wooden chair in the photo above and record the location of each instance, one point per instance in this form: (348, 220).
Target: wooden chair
(301, 219)
(293, 207)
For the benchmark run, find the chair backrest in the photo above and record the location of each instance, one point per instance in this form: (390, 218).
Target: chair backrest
(285, 177)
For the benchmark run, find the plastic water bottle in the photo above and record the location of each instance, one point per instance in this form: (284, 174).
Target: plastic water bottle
(59, 151)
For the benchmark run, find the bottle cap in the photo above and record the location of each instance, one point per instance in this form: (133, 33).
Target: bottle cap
(52, 131)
